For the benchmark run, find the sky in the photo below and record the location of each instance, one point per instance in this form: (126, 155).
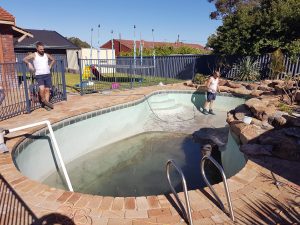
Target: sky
(75, 18)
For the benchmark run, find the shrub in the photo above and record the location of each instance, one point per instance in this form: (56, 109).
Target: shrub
(248, 70)
(199, 78)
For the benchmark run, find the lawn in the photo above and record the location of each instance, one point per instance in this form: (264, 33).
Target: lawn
(124, 80)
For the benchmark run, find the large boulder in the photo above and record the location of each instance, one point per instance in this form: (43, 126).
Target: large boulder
(241, 111)
(213, 136)
(284, 146)
(297, 99)
(242, 91)
(237, 127)
(266, 82)
(223, 82)
(252, 86)
(257, 149)
(251, 133)
(260, 109)
(256, 93)
(265, 88)
(292, 121)
(225, 89)
(234, 84)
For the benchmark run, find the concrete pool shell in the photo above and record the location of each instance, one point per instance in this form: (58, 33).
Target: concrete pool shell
(247, 186)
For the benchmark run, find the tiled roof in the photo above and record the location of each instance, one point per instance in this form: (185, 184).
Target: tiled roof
(149, 44)
(4, 15)
(51, 39)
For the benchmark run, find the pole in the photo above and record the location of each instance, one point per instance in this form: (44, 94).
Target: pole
(134, 46)
(153, 51)
(141, 49)
(99, 49)
(91, 56)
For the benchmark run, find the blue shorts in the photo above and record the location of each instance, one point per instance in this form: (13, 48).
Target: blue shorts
(211, 96)
(44, 79)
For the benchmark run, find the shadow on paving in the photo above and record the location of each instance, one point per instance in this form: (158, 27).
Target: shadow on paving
(269, 210)
(13, 210)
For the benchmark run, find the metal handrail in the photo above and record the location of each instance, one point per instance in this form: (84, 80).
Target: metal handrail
(47, 122)
(187, 201)
(219, 167)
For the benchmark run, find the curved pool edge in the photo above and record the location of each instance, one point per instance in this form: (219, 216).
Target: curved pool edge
(43, 199)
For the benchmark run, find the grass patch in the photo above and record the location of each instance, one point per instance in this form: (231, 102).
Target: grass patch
(124, 80)
(285, 108)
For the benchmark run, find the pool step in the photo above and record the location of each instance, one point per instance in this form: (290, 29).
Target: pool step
(169, 110)
(159, 97)
(162, 104)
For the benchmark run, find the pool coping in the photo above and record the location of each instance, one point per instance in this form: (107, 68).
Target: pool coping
(43, 199)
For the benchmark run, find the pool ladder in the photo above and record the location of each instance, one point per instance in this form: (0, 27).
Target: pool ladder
(186, 211)
(206, 152)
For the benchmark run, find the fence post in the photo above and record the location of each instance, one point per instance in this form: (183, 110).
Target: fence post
(63, 80)
(28, 105)
(80, 73)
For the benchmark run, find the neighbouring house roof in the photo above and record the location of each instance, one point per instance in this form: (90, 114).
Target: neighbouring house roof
(51, 40)
(149, 44)
(6, 17)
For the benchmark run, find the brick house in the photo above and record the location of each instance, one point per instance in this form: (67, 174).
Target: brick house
(9, 33)
(128, 45)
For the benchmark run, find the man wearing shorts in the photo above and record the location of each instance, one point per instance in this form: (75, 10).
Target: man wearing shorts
(212, 88)
(42, 72)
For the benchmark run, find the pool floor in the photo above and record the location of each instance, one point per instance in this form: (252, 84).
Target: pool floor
(134, 166)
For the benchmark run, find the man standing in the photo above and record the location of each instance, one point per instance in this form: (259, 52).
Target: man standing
(42, 72)
(212, 88)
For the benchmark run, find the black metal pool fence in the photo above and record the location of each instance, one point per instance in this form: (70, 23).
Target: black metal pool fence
(19, 91)
(129, 72)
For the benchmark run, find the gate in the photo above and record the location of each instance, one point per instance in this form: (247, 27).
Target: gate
(18, 91)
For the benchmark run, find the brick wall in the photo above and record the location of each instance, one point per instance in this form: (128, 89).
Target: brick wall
(8, 54)
(8, 76)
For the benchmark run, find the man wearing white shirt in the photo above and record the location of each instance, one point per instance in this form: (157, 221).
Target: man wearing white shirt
(42, 72)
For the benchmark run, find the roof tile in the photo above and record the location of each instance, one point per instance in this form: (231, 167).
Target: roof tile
(4, 15)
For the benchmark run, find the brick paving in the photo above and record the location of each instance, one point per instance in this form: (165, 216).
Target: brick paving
(256, 197)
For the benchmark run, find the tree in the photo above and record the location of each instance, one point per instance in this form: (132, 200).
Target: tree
(166, 50)
(253, 27)
(79, 43)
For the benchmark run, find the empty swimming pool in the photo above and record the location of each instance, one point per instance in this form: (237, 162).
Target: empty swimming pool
(122, 150)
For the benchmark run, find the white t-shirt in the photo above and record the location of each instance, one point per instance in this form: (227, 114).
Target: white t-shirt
(213, 84)
(41, 64)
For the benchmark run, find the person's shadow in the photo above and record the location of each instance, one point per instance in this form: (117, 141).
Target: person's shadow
(198, 99)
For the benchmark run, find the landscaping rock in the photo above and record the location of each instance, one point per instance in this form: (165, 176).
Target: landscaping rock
(252, 101)
(257, 149)
(241, 91)
(292, 131)
(241, 111)
(234, 85)
(237, 127)
(266, 82)
(251, 133)
(278, 89)
(225, 89)
(252, 86)
(211, 136)
(265, 88)
(273, 83)
(230, 118)
(292, 121)
(256, 93)
(223, 82)
(297, 99)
